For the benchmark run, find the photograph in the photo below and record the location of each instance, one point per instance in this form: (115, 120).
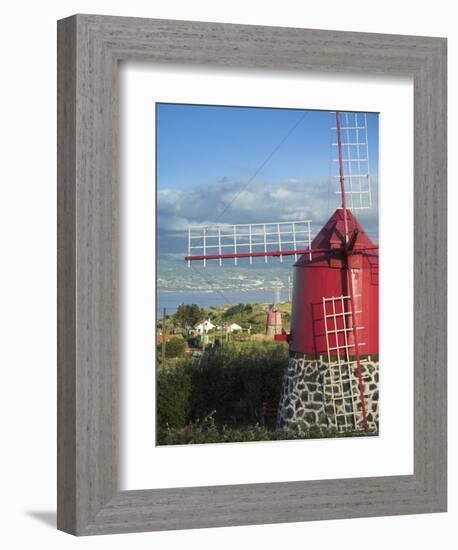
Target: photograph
(267, 266)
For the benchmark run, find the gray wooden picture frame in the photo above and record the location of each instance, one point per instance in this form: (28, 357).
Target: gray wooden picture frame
(89, 49)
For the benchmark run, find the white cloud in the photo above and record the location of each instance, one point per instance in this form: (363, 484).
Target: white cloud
(229, 202)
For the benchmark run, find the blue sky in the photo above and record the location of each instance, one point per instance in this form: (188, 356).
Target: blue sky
(206, 155)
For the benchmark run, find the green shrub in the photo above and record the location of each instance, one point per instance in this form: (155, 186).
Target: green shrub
(233, 380)
(173, 392)
(174, 347)
(207, 432)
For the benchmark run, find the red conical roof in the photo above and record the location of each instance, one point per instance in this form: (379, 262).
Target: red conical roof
(330, 238)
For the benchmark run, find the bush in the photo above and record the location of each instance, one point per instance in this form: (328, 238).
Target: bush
(173, 387)
(207, 432)
(174, 347)
(233, 380)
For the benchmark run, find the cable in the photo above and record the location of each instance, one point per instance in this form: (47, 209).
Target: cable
(271, 154)
(260, 167)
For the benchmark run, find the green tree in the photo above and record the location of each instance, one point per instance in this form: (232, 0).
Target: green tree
(239, 311)
(187, 315)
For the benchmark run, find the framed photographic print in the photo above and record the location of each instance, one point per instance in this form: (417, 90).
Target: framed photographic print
(252, 274)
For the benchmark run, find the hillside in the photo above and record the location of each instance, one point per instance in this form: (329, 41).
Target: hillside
(252, 316)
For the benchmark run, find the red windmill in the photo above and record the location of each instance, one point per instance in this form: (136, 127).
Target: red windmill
(335, 295)
(274, 317)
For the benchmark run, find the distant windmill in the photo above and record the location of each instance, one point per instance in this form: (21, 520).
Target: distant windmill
(274, 323)
(331, 379)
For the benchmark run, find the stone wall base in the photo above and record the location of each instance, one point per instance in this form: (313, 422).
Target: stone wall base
(314, 393)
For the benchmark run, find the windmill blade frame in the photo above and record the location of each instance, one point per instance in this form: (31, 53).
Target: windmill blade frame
(269, 239)
(341, 384)
(354, 160)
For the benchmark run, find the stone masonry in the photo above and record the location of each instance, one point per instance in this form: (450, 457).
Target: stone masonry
(311, 398)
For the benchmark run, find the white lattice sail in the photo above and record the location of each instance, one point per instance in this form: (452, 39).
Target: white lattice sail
(341, 382)
(355, 160)
(232, 242)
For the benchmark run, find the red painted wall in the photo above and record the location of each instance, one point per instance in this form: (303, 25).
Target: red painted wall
(324, 276)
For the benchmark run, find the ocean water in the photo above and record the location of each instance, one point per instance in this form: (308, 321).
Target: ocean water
(171, 300)
(220, 286)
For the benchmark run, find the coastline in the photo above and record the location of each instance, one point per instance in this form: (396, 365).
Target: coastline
(172, 299)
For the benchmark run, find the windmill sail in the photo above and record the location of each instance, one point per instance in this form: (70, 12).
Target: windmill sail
(354, 158)
(265, 240)
(341, 381)
(352, 184)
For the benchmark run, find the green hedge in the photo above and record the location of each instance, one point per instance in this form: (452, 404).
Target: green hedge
(229, 382)
(234, 380)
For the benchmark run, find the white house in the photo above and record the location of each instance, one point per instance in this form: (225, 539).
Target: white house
(203, 327)
(233, 327)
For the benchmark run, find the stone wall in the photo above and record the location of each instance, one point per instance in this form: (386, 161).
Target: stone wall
(310, 398)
